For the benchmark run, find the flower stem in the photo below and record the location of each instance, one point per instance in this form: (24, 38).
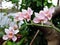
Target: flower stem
(33, 24)
(57, 29)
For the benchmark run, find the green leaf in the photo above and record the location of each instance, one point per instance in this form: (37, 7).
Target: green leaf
(34, 0)
(9, 43)
(1, 33)
(11, 17)
(21, 41)
(39, 3)
(15, 1)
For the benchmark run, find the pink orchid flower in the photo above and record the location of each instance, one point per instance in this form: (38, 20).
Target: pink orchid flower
(40, 17)
(10, 34)
(48, 12)
(27, 13)
(19, 16)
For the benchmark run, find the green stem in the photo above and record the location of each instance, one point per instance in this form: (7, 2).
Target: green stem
(52, 26)
(57, 29)
(33, 24)
(25, 21)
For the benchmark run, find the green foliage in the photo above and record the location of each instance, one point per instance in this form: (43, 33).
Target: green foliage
(47, 4)
(9, 43)
(1, 32)
(14, 1)
(21, 41)
(56, 20)
(36, 5)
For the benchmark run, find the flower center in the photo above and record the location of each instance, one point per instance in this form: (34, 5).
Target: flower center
(26, 16)
(10, 35)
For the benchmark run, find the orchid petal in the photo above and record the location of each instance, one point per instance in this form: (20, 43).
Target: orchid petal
(24, 11)
(5, 37)
(36, 14)
(20, 18)
(21, 22)
(16, 31)
(30, 11)
(46, 9)
(45, 20)
(51, 10)
(41, 15)
(36, 20)
(10, 28)
(28, 20)
(14, 38)
(6, 31)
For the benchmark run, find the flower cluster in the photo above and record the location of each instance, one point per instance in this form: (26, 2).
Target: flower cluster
(25, 14)
(42, 17)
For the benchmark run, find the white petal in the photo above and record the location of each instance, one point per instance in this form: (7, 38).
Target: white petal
(28, 20)
(24, 11)
(16, 31)
(11, 29)
(46, 9)
(49, 1)
(21, 22)
(12, 24)
(36, 14)
(6, 31)
(54, 2)
(14, 38)
(5, 37)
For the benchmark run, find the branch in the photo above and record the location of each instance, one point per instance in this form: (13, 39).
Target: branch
(34, 37)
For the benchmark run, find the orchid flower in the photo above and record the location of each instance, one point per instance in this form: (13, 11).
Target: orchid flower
(10, 34)
(40, 17)
(13, 24)
(27, 13)
(48, 12)
(19, 16)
